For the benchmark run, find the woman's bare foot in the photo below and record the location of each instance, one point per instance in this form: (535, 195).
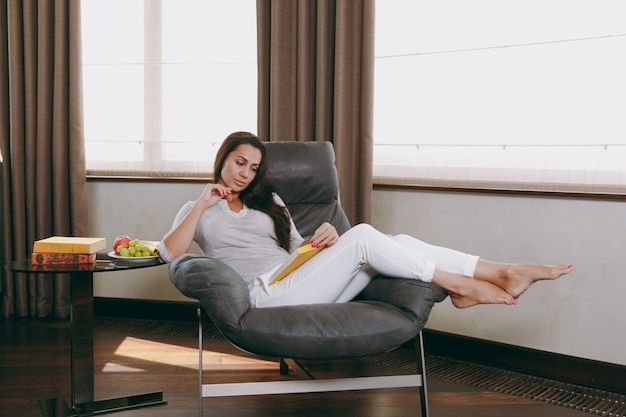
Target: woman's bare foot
(480, 292)
(466, 292)
(515, 279)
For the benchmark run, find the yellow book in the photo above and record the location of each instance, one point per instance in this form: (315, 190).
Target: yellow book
(297, 258)
(63, 244)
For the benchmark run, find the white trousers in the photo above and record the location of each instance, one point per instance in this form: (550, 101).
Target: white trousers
(340, 272)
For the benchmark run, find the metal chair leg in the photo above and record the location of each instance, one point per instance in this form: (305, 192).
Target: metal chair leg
(421, 369)
(287, 364)
(200, 398)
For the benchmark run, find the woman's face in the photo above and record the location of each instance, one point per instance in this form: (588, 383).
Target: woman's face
(240, 167)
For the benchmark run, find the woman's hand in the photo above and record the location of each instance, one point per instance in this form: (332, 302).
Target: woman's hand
(213, 193)
(179, 239)
(325, 235)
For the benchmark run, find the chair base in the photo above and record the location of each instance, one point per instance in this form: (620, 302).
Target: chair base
(317, 385)
(311, 385)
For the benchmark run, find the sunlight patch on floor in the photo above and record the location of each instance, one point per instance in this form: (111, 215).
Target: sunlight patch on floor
(136, 351)
(117, 368)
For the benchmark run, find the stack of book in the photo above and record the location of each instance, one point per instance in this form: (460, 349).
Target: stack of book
(62, 250)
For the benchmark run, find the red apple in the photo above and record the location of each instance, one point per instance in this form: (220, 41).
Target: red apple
(122, 240)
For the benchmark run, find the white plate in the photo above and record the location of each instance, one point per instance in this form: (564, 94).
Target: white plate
(133, 261)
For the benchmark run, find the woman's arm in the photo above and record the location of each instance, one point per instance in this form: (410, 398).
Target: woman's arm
(179, 239)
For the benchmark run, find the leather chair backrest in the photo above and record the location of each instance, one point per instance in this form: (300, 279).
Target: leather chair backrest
(305, 177)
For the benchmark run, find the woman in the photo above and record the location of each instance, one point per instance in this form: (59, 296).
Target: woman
(238, 220)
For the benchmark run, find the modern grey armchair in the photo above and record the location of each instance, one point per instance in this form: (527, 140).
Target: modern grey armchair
(387, 314)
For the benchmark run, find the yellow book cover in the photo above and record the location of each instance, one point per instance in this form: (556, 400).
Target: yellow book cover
(64, 244)
(297, 258)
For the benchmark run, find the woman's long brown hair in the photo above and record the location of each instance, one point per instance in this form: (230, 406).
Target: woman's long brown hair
(258, 195)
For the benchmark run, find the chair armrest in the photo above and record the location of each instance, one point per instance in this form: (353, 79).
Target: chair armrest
(220, 290)
(410, 295)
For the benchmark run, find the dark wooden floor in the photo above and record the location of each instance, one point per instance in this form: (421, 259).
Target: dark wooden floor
(34, 364)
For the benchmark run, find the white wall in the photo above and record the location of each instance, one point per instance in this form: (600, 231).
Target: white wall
(143, 210)
(579, 315)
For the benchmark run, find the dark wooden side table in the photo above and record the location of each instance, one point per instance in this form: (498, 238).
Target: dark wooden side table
(82, 401)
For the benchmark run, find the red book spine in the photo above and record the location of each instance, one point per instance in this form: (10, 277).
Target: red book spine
(46, 258)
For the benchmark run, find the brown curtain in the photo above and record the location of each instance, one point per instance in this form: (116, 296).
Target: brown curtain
(316, 77)
(41, 139)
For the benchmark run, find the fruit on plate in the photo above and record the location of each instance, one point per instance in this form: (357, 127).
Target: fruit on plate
(134, 248)
(121, 240)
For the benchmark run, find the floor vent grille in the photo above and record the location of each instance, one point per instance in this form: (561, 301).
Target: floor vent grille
(576, 397)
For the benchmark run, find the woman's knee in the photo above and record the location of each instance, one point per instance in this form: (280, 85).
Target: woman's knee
(403, 238)
(362, 230)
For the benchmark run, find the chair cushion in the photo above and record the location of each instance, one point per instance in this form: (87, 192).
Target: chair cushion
(388, 313)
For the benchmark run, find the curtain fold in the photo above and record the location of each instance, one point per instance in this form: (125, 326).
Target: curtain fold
(41, 139)
(316, 81)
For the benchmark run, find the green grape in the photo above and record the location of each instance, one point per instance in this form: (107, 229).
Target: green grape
(135, 249)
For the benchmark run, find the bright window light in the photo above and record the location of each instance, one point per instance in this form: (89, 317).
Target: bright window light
(501, 90)
(165, 81)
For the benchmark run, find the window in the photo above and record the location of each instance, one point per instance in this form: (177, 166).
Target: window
(165, 81)
(521, 94)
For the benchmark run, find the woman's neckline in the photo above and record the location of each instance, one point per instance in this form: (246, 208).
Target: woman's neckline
(237, 214)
